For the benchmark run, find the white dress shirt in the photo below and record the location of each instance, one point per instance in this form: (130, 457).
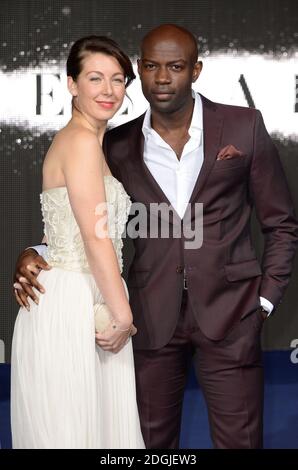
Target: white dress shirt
(175, 177)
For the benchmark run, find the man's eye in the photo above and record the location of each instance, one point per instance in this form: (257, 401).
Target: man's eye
(176, 67)
(94, 79)
(149, 66)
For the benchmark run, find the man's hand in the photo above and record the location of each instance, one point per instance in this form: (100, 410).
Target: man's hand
(28, 266)
(264, 313)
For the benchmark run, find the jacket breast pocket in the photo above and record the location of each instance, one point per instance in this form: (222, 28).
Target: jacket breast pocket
(243, 270)
(230, 163)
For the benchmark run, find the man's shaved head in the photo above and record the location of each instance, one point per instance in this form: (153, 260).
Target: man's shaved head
(168, 67)
(171, 31)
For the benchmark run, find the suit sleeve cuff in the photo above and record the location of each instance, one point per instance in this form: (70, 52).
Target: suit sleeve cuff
(40, 249)
(267, 305)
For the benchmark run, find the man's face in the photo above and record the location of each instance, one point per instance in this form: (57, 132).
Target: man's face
(167, 71)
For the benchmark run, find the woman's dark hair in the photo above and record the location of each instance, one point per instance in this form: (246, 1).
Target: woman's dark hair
(94, 44)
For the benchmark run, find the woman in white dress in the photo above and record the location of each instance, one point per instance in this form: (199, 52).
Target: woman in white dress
(67, 391)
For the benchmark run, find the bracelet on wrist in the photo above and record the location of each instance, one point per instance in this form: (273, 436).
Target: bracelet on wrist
(116, 327)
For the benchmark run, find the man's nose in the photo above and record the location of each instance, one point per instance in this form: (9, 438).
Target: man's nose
(162, 75)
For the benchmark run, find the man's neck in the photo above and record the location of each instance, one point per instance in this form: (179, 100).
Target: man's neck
(175, 121)
(173, 127)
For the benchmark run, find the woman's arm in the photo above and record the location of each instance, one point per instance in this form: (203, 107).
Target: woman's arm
(83, 172)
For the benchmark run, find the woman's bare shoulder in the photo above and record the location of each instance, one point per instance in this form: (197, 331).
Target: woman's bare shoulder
(74, 140)
(76, 135)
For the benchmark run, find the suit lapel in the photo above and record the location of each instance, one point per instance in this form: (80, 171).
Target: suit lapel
(212, 128)
(156, 193)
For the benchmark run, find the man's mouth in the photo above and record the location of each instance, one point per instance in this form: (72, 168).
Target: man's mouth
(162, 94)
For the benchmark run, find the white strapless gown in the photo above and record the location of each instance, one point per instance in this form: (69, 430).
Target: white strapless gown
(66, 392)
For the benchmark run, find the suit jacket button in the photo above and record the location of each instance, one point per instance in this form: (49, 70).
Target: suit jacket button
(179, 269)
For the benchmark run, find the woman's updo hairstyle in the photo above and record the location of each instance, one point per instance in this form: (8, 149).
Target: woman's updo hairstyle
(93, 44)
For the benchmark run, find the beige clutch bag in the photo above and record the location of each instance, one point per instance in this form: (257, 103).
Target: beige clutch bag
(102, 317)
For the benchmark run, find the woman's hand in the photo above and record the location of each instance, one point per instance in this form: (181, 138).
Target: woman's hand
(115, 337)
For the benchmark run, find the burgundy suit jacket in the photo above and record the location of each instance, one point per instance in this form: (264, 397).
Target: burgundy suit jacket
(224, 276)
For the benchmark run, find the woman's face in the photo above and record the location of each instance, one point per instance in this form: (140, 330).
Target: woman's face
(100, 86)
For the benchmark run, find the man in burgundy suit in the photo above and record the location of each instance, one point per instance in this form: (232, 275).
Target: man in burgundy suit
(208, 303)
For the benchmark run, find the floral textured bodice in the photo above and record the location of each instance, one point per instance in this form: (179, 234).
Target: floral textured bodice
(65, 244)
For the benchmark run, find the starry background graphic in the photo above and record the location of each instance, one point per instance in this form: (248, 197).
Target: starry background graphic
(38, 32)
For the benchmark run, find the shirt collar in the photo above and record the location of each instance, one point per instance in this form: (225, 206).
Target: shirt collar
(196, 120)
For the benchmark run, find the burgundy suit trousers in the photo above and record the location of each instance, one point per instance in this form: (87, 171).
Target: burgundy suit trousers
(229, 371)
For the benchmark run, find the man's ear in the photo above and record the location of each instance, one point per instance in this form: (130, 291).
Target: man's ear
(72, 86)
(197, 70)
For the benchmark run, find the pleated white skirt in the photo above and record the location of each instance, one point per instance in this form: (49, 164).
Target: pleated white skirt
(66, 392)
